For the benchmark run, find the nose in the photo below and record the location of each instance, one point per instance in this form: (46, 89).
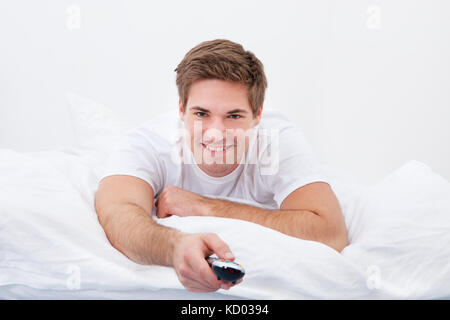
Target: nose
(215, 131)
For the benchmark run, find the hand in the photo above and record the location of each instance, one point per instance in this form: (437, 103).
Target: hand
(179, 202)
(190, 264)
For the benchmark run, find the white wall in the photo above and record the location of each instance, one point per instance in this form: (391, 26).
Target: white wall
(367, 81)
(385, 86)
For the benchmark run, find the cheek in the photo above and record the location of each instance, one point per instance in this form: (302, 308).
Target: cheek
(193, 130)
(241, 142)
(242, 133)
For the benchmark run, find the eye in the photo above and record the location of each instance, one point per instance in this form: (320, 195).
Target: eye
(201, 114)
(235, 116)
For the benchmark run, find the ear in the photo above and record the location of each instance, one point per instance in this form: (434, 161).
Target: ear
(180, 110)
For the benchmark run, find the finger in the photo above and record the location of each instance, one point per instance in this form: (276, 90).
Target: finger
(192, 283)
(236, 283)
(161, 211)
(161, 214)
(161, 197)
(225, 285)
(217, 246)
(189, 279)
(210, 276)
(203, 272)
(193, 289)
(207, 278)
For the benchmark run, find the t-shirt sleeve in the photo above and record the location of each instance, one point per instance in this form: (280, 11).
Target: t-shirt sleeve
(289, 163)
(136, 155)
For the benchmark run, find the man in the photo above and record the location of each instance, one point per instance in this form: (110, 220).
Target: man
(222, 153)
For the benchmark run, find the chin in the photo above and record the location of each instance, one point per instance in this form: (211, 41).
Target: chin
(218, 170)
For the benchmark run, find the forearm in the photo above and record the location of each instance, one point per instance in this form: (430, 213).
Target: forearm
(302, 224)
(134, 233)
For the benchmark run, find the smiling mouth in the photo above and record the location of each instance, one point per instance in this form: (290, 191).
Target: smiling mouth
(219, 148)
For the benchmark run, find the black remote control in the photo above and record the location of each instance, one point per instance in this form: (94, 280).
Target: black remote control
(226, 270)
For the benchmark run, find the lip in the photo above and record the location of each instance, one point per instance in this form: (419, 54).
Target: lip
(222, 150)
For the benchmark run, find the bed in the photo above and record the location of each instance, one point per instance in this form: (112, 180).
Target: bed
(53, 247)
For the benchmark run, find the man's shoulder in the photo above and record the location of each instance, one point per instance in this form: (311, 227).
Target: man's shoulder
(275, 119)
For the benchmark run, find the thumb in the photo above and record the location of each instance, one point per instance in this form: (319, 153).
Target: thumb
(217, 246)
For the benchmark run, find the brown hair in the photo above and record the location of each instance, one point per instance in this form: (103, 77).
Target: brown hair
(224, 60)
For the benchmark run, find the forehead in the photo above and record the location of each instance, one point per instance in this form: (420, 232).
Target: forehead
(218, 95)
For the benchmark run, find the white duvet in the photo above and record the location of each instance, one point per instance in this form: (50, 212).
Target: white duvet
(52, 246)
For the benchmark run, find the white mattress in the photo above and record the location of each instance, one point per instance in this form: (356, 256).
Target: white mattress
(52, 246)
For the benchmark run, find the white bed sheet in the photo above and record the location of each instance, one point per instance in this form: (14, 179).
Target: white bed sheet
(52, 246)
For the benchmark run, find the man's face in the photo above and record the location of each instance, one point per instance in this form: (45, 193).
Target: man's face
(219, 119)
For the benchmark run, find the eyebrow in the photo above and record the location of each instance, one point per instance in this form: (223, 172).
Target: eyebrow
(229, 112)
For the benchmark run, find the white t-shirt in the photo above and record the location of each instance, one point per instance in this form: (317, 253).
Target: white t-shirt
(151, 152)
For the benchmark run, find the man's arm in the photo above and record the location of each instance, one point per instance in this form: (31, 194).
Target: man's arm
(124, 206)
(126, 219)
(311, 212)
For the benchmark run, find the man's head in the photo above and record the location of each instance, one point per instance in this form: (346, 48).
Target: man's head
(221, 88)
